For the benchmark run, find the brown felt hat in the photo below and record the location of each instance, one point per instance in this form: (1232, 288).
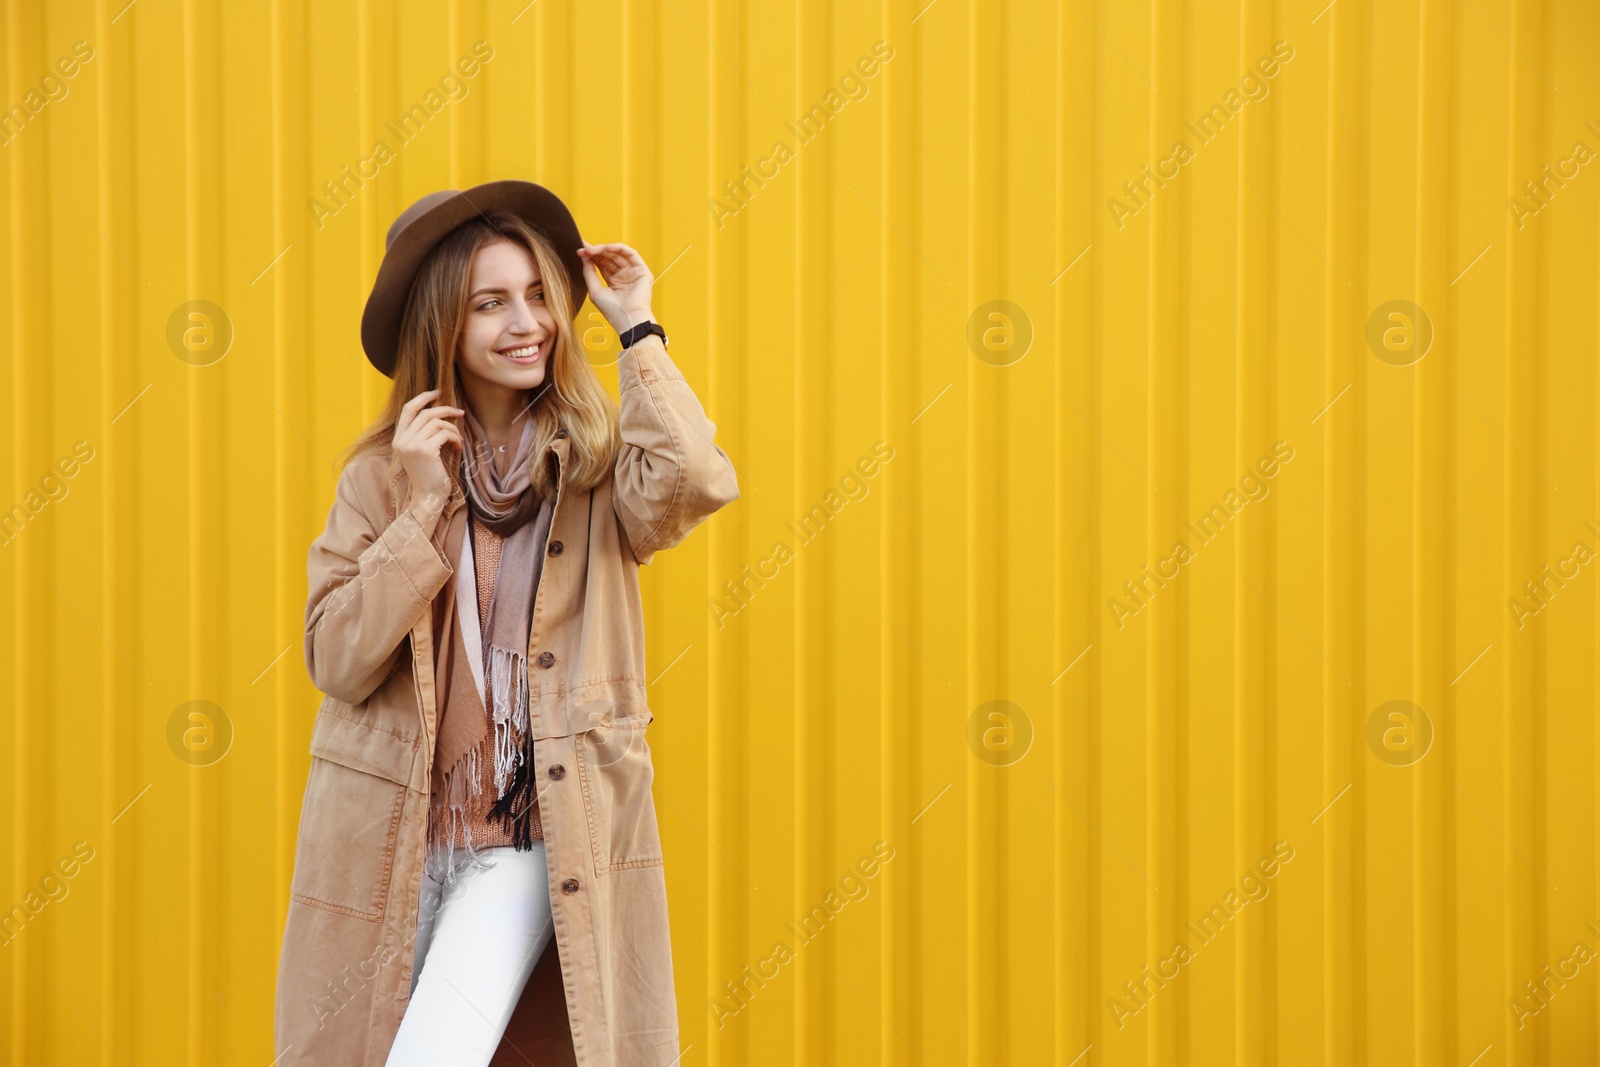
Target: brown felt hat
(426, 222)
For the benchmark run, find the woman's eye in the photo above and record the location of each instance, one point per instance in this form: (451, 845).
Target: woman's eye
(485, 305)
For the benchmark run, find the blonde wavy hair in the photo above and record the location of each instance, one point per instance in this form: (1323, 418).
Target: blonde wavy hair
(430, 335)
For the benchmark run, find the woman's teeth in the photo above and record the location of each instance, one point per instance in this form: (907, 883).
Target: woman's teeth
(526, 354)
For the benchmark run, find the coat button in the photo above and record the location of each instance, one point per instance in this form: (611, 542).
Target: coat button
(561, 431)
(570, 886)
(556, 548)
(557, 771)
(546, 658)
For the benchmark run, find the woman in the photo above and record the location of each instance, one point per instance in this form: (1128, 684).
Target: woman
(479, 865)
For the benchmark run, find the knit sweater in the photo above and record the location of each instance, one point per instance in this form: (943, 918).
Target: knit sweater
(484, 834)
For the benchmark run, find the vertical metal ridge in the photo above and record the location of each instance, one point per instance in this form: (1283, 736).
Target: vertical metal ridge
(1075, 955)
(1064, 988)
(804, 635)
(288, 477)
(815, 1020)
(1433, 556)
(722, 940)
(28, 231)
(457, 171)
(898, 403)
(371, 213)
(1091, 535)
(974, 975)
(823, 765)
(111, 116)
(1157, 1042)
(994, 442)
(1344, 568)
(1256, 590)
(1165, 664)
(925, 779)
(1526, 653)
(193, 493)
(207, 501)
(987, 877)
(287, 485)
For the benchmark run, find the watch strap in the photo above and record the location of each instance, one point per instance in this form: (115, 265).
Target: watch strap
(634, 334)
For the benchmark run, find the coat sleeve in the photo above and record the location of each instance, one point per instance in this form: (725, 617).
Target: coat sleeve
(366, 590)
(670, 475)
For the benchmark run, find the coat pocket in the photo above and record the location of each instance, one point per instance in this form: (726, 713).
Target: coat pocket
(349, 822)
(616, 773)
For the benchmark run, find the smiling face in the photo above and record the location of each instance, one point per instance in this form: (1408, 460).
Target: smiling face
(509, 330)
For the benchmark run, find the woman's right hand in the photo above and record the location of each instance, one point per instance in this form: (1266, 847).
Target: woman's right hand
(420, 436)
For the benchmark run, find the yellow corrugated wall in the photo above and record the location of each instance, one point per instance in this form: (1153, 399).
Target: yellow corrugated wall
(1317, 786)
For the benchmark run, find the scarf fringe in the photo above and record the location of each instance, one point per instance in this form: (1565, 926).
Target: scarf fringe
(508, 682)
(514, 809)
(450, 846)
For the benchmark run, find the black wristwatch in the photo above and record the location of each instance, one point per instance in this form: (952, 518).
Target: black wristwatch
(634, 334)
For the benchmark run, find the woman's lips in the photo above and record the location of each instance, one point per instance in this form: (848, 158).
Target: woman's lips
(524, 355)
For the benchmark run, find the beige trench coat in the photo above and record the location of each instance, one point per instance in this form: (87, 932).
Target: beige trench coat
(602, 995)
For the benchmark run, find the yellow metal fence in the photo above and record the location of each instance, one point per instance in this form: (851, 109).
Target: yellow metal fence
(1159, 623)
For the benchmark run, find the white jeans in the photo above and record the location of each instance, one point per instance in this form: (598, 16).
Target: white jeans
(476, 947)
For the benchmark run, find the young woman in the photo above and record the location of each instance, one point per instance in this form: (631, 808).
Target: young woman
(480, 786)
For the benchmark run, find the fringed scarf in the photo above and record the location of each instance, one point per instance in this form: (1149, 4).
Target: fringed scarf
(492, 663)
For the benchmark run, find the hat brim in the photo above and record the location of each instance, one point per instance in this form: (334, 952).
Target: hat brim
(542, 209)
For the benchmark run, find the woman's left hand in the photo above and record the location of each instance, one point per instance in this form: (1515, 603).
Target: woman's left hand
(624, 298)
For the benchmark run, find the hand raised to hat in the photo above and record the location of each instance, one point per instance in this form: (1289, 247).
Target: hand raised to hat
(624, 298)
